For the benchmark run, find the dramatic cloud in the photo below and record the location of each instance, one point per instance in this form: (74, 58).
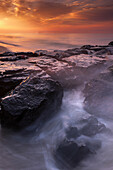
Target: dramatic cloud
(44, 14)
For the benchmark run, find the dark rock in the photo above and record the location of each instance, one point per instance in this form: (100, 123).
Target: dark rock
(72, 133)
(13, 58)
(111, 43)
(69, 154)
(28, 54)
(77, 51)
(10, 79)
(101, 52)
(87, 47)
(92, 127)
(35, 99)
(97, 48)
(7, 54)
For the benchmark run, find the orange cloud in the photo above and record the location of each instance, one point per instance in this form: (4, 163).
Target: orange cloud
(59, 16)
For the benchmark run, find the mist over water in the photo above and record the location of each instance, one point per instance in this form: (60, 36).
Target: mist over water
(37, 41)
(36, 150)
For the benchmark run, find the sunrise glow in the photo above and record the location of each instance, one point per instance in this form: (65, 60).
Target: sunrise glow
(60, 16)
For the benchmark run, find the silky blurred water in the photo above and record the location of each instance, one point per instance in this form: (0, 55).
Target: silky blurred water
(36, 41)
(34, 151)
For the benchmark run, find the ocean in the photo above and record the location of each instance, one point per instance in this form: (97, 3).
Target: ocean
(53, 41)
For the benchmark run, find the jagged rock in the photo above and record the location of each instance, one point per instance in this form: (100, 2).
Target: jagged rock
(87, 47)
(10, 79)
(28, 54)
(13, 58)
(91, 127)
(36, 98)
(84, 60)
(58, 70)
(111, 43)
(69, 154)
(88, 127)
(77, 51)
(13, 73)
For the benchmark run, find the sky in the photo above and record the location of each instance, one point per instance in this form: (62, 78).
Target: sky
(62, 16)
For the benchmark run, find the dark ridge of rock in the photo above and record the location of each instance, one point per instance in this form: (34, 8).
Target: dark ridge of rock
(28, 54)
(10, 79)
(36, 98)
(111, 43)
(98, 95)
(88, 127)
(69, 154)
(77, 51)
(13, 58)
(58, 54)
(87, 47)
(7, 54)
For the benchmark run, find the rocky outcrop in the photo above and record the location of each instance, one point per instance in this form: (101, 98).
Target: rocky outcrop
(69, 154)
(111, 43)
(36, 98)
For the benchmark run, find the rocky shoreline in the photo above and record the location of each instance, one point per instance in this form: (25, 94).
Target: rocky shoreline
(31, 90)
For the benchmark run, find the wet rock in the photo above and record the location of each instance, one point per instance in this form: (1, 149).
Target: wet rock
(58, 54)
(87, 47)
(10, 79)
(84, 60)
(101, 52)
(88, 127)
(28, 54)
(58, 70)
(98, 95)
(72, 133)
(13, 58)
(111, 43)
(71, 71)
(77, 51)
(91, 127)
(13, 73)
(69, 154)
(104, 51)
(36, 98)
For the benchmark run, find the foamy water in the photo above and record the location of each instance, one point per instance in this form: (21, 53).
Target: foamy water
(35, 151)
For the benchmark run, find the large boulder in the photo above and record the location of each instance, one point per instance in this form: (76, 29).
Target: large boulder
(36, 98)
